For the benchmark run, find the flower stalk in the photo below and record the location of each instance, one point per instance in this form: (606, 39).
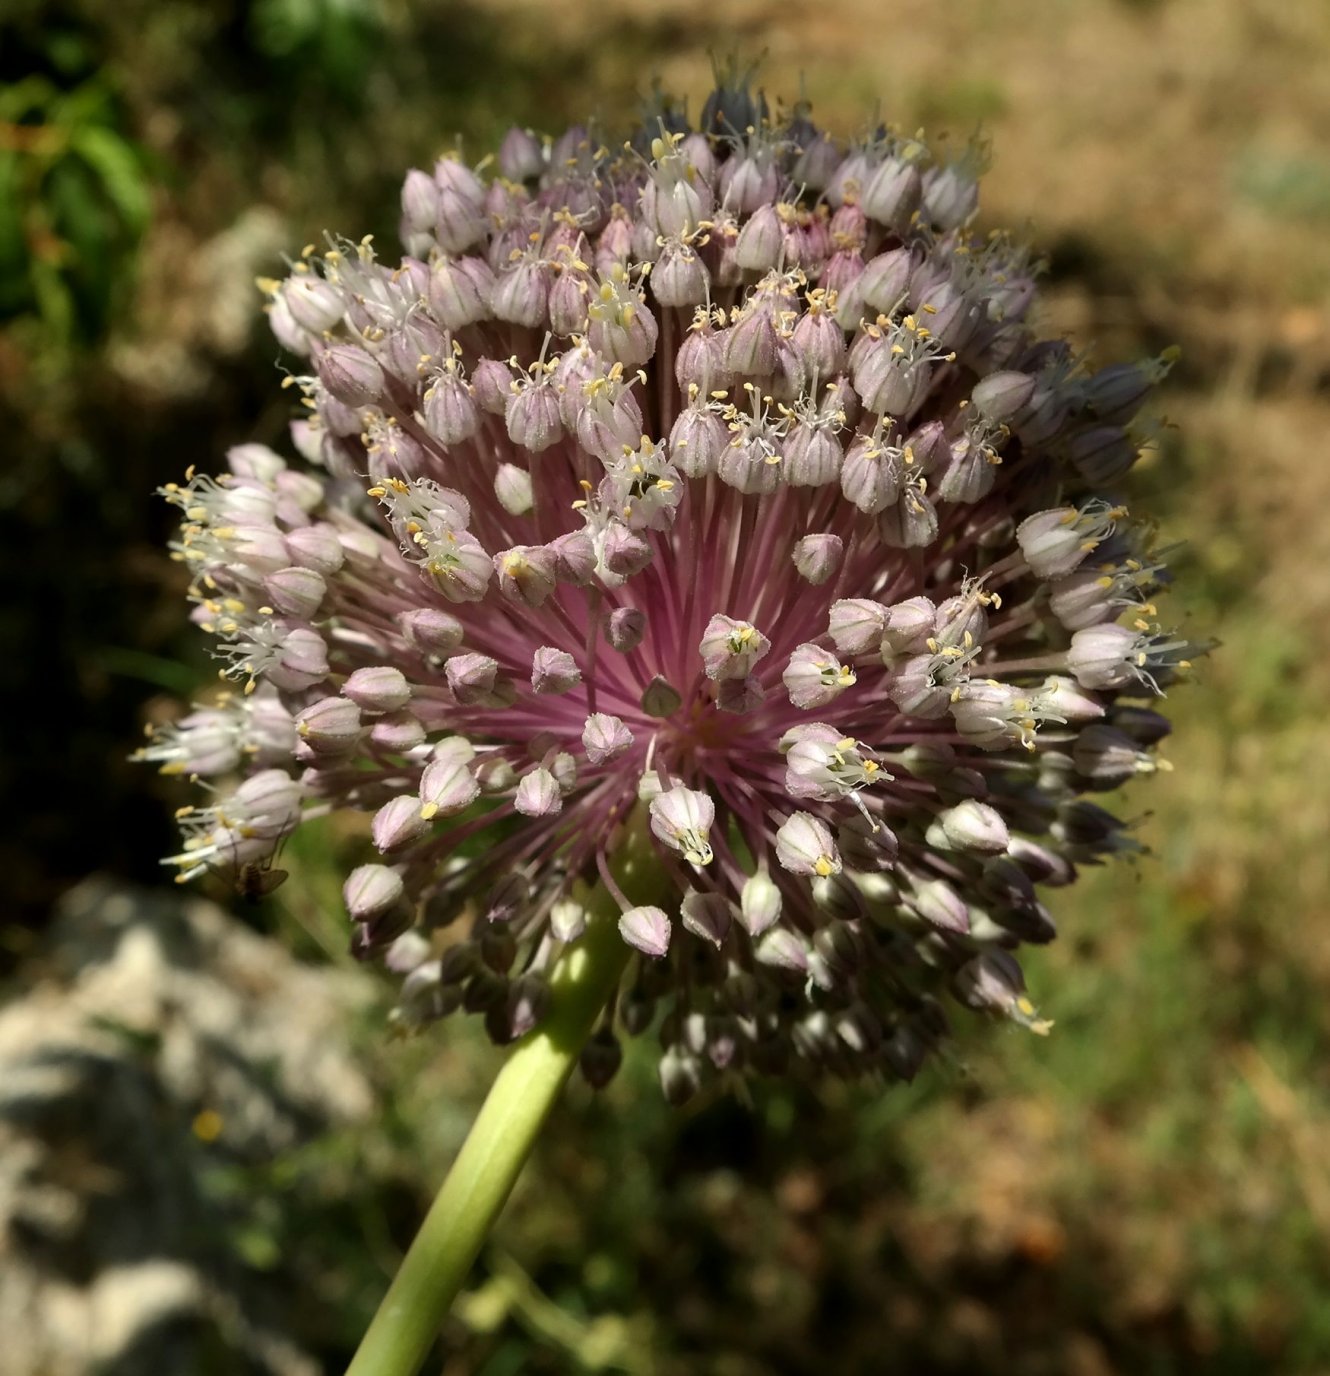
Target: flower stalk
(523, 1094)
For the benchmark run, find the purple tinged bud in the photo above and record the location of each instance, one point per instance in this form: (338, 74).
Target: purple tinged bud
(605, 738)
(459, 223)
(600, 1058)
(1140, 723)
(752, 345)
(526, 574)
(624, 628)
(532, 417)
(378, 689)
(646, 929)
(448, 786)
(398, 732)
(817, 557)
(295, 591)
(872, 474)
(697, 440)
(814, 677)
(740, 695)
(820, 344)
(909, 627)
(471, 677)
(1109, 757)
(624, 552)
(707, 915)
(857, 624)
(761, 241)
(255, 461)
(513, 488)
(494, 774)
(992, 982)
(682, 818)
(492, 385)
(812, 456)
(1105, 657)
(568, 302)
(1000, 396)
(782, 949)
(731, 648)
(521, 155)
(350, 375)
(521, 295)
(538, 794)
(450, 411)
(976, 827)
(679, 278)
(431, 631)
(554, 671)
(817, 163)
(805, 845)
(893, 193)
(759, 903)
(1054, 542)
(938, 904)
(371, 891)
(660, 698)
(574, 557)
(885, 282)
(1062, 699)
(330, 726)
(567, 920)
(315, 547)
(1103, 455)
(420, 202)
(314, 305)
(1117, 392)
(911, 524)
(302, 661)
(398, 823)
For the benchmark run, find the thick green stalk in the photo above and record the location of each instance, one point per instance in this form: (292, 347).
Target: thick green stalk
(503, 1135)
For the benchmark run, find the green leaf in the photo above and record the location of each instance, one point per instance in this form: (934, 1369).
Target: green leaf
(120, 169)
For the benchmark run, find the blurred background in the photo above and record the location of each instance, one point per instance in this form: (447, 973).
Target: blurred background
(211, 1155)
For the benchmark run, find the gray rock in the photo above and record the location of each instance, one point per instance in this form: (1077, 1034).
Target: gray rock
(163, 1048)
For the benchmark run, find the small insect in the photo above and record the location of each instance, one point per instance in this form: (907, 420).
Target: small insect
(255, 881)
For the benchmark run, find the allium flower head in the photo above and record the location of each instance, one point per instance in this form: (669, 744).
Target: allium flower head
(714, 485)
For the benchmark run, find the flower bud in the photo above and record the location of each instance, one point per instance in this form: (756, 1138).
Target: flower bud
(371, 891)
(378, 689)
(330, 726)
(554, 671)
(512, 486)
(804, 845)
(350, 375)
(296, 591)
(707, 915)
(604, 737)
(538, 794)
(447, 785)
(471, 677)
(682, 819)
(646, 929)
(817, 557)
(660, 698)
(731, 648)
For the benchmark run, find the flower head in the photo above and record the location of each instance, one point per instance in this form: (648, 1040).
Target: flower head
(719, 487)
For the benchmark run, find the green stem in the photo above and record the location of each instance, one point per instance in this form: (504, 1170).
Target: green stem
(492, 1157)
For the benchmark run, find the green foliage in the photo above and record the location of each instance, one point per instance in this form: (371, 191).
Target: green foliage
(75, 199)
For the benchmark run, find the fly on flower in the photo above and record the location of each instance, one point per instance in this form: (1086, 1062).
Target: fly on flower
(714, 487)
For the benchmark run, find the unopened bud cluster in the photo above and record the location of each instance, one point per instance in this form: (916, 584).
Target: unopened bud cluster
(713, 485)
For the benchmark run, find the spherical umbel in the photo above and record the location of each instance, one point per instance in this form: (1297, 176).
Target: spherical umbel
(717, 488)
